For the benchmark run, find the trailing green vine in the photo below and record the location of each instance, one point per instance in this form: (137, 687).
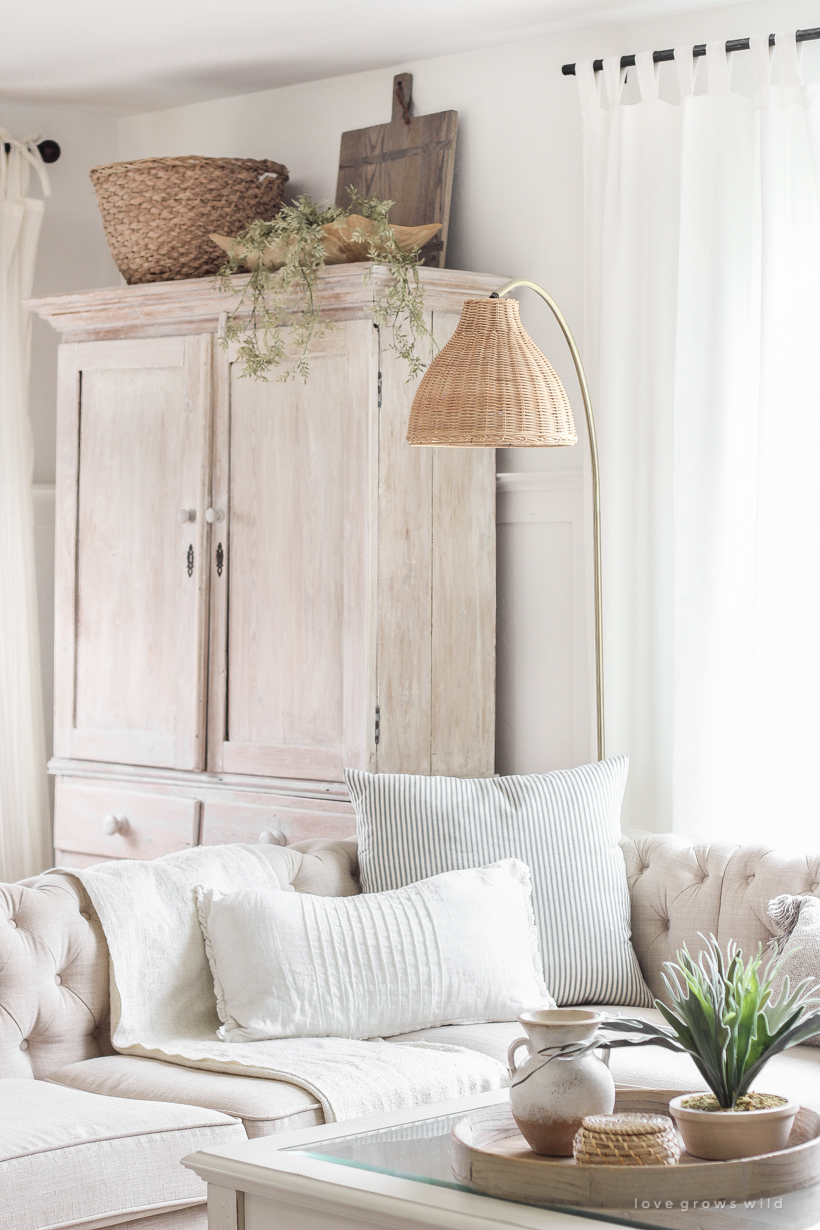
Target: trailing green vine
(266, 304)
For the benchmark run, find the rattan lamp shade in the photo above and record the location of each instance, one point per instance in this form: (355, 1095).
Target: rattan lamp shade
(491, 385)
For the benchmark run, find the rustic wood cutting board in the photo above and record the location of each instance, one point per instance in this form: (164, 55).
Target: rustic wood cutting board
(409, 161)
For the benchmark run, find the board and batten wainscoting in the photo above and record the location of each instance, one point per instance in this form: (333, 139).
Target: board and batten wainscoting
(545, 706)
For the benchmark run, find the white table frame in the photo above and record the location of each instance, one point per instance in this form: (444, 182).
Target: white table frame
(256, 1185)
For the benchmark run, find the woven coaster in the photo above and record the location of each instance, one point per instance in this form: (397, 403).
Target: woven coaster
(626, 1140)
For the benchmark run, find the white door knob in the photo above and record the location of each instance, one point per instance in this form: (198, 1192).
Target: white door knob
(214, 514)
(115, 824)
(186, 514)
(273, 837)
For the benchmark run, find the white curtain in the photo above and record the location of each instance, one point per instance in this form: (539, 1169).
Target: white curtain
(25, 828)
(702, 221)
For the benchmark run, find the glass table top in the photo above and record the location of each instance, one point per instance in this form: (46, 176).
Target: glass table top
(420, 1151)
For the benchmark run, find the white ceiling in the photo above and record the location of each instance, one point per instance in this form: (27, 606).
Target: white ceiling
(125, 56)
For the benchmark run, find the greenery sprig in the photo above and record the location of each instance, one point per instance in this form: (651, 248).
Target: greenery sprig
(266, 304)
(722, 1014)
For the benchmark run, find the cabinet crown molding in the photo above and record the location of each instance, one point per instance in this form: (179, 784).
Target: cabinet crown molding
(156, 309)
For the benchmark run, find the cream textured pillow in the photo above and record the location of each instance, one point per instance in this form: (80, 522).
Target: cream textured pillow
(797, 919)
(455, 949)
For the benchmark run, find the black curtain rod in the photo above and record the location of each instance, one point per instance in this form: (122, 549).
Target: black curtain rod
(734, 44)
(50, 150)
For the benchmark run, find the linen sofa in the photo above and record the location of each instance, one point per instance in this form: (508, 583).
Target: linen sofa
(91, 1139)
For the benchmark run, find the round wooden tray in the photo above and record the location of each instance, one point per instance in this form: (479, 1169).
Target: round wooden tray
(490, 1154)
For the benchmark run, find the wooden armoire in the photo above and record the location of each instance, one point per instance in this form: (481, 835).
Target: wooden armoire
(257, 583)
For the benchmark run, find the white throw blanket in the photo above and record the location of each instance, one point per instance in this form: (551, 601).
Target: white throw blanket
(163, 1003)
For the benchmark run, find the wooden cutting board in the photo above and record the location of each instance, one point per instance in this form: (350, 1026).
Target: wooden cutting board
(409, 161)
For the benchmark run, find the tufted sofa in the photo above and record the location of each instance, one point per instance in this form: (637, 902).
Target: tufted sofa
(92, 1139)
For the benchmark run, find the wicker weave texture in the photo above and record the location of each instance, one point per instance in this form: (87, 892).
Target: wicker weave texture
(491, 385)
(158, 213)
(627, 1140)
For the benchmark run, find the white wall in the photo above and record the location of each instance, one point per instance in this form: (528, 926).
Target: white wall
(72, 255)
(517, 209)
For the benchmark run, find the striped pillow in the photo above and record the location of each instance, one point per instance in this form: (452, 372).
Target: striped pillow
(564, 825)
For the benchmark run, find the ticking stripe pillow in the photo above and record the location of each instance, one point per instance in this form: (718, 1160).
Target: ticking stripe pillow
(564, 825)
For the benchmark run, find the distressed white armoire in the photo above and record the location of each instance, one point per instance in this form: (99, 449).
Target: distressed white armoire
(257, 583)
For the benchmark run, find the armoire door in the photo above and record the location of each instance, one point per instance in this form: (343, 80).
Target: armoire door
(292, 689)
(134, 421)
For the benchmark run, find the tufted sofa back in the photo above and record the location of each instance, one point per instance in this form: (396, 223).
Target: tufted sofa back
(54, 1001)
(681, 891)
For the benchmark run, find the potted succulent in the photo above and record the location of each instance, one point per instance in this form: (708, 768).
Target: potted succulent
(723, 1014)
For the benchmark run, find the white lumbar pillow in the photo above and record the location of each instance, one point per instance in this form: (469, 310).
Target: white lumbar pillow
(454, 949)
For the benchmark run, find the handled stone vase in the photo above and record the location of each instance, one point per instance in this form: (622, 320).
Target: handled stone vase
(562, 1079)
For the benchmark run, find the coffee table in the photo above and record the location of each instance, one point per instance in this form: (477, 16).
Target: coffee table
(393, 1172)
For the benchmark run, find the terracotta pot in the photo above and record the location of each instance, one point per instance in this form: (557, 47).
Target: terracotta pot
(551, 1093)
(720, 1135)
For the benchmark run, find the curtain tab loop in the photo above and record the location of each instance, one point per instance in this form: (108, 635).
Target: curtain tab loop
(614, 77)
(647, 71)
(13, 180)
(587, 85)
(761, 59)
(718, 66)
(685, 65)
(789, 57)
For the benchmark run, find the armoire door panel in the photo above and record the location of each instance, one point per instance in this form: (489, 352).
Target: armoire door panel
(286, 575)
(139, 570)
(291, 561)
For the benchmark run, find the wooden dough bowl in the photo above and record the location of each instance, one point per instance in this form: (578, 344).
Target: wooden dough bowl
(490, 1155)
(337, 239)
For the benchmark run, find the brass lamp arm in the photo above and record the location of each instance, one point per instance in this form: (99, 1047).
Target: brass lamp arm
(596, 492)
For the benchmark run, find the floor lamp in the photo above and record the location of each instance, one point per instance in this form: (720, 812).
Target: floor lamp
(491, 387)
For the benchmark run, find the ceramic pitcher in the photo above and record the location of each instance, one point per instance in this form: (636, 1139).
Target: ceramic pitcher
(554, 1088)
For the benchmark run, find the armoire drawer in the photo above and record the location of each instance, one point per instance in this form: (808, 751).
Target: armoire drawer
(68, 858)
(156, 824)
(297, 818)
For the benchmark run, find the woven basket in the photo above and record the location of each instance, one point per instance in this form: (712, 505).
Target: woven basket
(159, 212)
(627, 1140)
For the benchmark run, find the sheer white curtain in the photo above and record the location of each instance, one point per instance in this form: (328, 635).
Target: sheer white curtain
(703, 323)
(25, 829)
